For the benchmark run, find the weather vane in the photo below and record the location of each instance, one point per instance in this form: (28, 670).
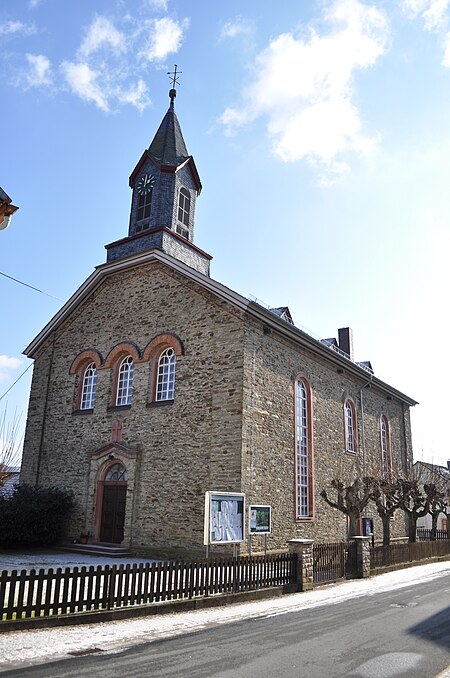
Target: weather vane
(174, 76)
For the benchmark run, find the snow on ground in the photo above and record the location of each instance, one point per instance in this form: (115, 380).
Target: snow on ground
(21, 648)
(26, 560)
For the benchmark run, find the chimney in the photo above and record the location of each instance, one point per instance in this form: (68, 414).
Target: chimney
(346, 341)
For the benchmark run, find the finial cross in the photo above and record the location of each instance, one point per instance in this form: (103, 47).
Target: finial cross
(174, 76)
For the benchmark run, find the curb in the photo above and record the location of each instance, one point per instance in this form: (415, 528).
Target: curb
(169, 607)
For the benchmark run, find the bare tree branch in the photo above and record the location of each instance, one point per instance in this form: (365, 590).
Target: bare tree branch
(10, 446)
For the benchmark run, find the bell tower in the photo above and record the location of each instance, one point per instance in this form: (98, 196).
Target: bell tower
(165, 185)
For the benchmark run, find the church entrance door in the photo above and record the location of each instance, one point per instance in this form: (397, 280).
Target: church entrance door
(113, 504)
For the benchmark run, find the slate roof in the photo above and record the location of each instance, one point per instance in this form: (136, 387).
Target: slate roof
(366, 364)
(330, 342)
(435, 468)
(283, 312)
(168, 146)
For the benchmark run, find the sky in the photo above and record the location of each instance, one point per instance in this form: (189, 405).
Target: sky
(321, 133)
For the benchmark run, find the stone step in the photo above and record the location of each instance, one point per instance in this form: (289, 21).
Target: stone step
(98, 549)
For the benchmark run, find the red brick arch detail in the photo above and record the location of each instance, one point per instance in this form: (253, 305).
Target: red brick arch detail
(84, 359)
(120, 351)
(158, 344)
(103, 470)
(99, 490)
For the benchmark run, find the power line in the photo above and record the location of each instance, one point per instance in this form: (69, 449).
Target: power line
(30, 286)
(18, 378)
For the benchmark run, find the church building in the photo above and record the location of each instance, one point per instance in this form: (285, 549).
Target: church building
(155, 384)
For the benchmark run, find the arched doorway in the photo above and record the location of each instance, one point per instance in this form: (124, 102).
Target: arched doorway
(113, 489)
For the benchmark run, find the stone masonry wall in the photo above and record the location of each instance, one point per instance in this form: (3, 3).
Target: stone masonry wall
(230, 427)
(187, 447)
(268, 462)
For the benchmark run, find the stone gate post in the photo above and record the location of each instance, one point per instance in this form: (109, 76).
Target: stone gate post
(304, 550)
(362, 557)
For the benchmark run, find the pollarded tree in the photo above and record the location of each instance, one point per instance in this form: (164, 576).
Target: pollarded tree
(386, 497)
(437, 505)
(414, 502)
(351, 500)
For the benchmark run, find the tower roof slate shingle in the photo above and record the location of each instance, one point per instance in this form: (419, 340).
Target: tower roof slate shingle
(168, 148)
(168, 145)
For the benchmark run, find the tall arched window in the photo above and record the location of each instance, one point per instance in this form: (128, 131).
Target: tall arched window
(184, 206)
(165, 383)
(85, 367)
(386, 459)
(350, 426)
(303, 451)
(143, 211)
(88, 387)
(125, 381)
(184, 209)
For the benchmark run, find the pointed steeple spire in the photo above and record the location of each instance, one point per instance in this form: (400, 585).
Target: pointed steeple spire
(165, 185)
(168, 146)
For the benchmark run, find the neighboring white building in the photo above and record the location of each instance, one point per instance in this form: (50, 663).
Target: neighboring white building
(8, 488)
(440, 475)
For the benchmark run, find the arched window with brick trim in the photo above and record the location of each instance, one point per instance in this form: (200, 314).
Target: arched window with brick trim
(88, 387)
(162, 353)
(303, 449)
(386, 459)
(165, 382)
(124, 392)
(350, 429)
(85, 367)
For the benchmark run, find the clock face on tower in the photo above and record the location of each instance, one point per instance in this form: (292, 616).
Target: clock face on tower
(145, 184)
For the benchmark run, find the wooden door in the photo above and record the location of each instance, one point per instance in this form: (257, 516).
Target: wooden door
(113, 512)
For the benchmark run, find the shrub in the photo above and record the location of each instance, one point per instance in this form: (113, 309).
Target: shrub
(34, 516)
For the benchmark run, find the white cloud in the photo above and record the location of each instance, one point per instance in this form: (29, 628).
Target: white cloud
(433, 12)
(446, 59)
(304, 87)
(16, 27)
(108, 67)
(39, 74)
(34, 3)
(160, 5)
(234, 28)
(164, 37)
(435, 17)
(136, 95)
(102, 33)
(82, 80)
(8, 364)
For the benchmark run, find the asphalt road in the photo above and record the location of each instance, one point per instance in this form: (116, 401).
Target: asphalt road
(403, 633)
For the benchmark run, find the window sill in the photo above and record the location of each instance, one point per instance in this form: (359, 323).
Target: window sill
(160, 403)
(115, 408)
(83, 412)
(304, 519)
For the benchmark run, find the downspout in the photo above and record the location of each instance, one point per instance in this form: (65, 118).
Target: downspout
(407, 459)
(363, 439)
(44, 416)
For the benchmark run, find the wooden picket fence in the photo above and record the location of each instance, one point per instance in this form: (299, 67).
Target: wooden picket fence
(423, 534)
(27, 594)
(394, 554)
